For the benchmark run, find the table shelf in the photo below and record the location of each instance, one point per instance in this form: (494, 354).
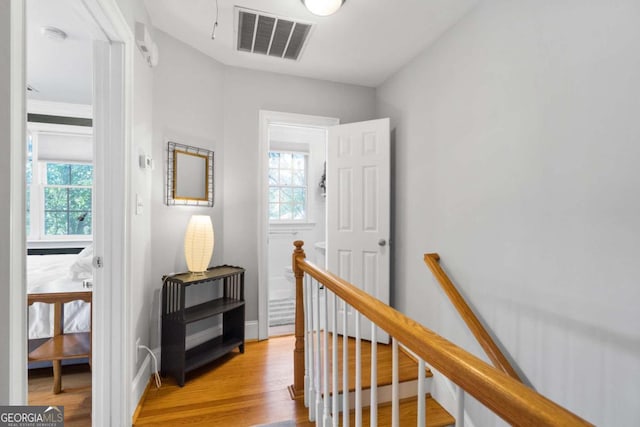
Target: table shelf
(176, 359)
(62, 347)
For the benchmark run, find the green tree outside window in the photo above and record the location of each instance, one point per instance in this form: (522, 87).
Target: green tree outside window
(68, 199)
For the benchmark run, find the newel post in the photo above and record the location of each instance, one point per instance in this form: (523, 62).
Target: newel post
(297, 389)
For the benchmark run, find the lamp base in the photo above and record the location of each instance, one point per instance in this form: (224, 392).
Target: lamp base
(197, 273)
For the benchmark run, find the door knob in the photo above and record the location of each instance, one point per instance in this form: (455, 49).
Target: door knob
(382, 242)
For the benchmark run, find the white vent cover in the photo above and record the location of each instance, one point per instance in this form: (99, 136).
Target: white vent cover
(266, 34)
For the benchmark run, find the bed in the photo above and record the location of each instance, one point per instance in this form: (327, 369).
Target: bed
(59, 273)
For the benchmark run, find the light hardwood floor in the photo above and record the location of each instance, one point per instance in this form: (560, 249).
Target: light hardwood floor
(238, 390)
(75, 395)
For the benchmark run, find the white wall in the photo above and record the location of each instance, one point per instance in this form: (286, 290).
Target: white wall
(187, 108)
(246, 93)
(141, 185)
(516, 139)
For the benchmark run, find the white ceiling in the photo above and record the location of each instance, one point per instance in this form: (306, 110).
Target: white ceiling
(61, 71)
(363, 43)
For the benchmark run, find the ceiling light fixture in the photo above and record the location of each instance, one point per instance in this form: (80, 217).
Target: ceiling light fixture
(54, 33)
(323, 7)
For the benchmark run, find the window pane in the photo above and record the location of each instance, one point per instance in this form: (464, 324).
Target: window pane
(298, 161)
(286, 212)
(285, 177)
(274, 211)
(29, 168)
(298, 178)
(274, 195)
(81, 174)
(80, 223)
(29, 172)
(298, 195)
(274, 177)
(274, 159)
(80, 199)
(55, 223)
(298, 211)
(28, 209)
(286, 194)
(285, 160)
(57, 174)
(287, 186)
(55, 199)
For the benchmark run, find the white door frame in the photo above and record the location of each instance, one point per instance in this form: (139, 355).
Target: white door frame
(267, 118)
(112, 347)
(18, 386)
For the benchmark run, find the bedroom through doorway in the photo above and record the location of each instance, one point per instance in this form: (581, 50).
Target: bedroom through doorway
(60, 212)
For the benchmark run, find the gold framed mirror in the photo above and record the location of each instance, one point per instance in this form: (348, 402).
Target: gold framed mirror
(189, 175)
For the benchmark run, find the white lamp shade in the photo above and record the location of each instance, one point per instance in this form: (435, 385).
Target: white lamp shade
(323, 7)
(198, 243)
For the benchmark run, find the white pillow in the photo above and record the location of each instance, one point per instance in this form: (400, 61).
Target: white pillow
(82, 267)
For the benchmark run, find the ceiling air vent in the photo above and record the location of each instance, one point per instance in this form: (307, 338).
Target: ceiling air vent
(271, 35)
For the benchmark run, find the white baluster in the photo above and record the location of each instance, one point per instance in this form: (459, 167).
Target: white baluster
(312, 354)
(345, 366)
(460, 407)
(421, 393)
(307, 343)
(358, 373)
(326, 419)
(334, 363)
(395, 395)
(373, 408)
(318, 356)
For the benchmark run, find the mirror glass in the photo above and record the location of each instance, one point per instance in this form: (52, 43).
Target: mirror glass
(189, 175)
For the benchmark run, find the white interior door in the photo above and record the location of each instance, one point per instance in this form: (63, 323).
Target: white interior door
(358, 211)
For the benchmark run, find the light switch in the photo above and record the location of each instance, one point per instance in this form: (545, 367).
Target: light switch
(139, 204)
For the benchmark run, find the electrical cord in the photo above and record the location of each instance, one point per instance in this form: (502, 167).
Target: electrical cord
(155, 362)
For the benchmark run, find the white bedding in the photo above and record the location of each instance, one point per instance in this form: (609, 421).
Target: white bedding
(52, 273)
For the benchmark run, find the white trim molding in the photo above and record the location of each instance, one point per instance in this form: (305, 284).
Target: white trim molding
(251, 330)
(17, 236)
(112, 110)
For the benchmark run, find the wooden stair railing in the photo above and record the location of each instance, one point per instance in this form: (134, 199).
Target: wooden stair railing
(487, 343)
(508, 398)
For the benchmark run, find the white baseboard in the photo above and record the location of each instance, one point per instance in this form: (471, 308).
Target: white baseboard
(140, 382)
(251, 330)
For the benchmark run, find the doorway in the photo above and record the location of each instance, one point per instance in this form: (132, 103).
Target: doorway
(112, 45)
(60, 214)
(297, 211)
(293, 157)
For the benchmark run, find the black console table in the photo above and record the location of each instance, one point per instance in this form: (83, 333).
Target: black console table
(176, 359)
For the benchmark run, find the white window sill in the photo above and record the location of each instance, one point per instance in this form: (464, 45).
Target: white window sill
(61, 243)
(284, 227)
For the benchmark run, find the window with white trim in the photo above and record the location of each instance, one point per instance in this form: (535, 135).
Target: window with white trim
(288, 187)
(59, 186)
